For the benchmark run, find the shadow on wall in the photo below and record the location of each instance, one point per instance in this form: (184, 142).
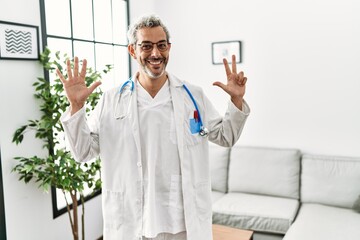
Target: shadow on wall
(2, 209)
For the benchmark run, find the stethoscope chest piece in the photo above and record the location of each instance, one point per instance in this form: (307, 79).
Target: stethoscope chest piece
(204, 132)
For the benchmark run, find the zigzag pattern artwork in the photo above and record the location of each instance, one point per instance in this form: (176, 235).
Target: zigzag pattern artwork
(19, 42)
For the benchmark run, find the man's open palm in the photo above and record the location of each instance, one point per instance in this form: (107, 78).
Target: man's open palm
(76, 90)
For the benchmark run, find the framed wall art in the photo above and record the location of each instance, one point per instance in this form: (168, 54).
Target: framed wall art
(221, 50)
(19, 41)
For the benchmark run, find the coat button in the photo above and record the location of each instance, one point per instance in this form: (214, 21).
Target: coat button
(139, 164)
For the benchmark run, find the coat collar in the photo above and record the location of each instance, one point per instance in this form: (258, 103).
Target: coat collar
(174, 81)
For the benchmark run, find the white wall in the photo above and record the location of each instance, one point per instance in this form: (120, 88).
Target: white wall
(28, 210)
(301, 58)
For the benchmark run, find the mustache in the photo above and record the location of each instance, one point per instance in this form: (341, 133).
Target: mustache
(155, 59)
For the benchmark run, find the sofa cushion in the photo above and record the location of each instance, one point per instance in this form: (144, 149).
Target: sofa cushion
(320, 222)
(268, 171)
(219, 164)
(356, 205)
(330, 180)
(215, 195)
(255, 212)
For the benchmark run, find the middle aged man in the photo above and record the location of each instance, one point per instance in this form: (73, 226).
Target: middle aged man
(152, 136)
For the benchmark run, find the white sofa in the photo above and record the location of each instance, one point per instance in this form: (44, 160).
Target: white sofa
(282, 194)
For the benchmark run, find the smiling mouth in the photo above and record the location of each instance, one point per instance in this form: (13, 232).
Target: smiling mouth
(155, 61)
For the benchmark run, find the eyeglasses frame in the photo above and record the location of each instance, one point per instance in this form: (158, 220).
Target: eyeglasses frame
(152, 47)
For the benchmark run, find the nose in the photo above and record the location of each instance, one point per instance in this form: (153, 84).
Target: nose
(155, 51)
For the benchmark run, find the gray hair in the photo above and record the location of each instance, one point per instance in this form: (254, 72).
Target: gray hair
(146, 21)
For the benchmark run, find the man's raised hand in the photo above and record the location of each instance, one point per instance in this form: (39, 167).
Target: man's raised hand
(236, 83)
(75, 88)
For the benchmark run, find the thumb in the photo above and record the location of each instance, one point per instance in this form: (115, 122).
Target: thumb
(220, 85)
(94, 85)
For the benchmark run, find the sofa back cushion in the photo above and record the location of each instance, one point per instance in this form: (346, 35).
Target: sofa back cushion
(219, 166)
(330, 180)
(267, 171)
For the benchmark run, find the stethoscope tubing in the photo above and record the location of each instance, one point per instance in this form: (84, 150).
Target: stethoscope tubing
(203, 131)
(126, 83)
(194, 102)
(129, 81)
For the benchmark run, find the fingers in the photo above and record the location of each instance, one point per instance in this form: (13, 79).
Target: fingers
(62, 79)
(233, 63)
(75, 73)
(240, 78)
(76, 66)
(68, 69)
(83, 69)
(243, 82)
(226, 65)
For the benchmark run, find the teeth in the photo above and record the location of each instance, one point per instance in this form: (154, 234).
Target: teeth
(154, 62)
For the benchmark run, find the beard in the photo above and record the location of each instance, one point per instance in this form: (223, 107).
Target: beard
(148, 63)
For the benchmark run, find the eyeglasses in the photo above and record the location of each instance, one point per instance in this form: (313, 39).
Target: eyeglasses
(148, 46)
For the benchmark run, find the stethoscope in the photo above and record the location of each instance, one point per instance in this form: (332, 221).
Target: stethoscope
(203, 131)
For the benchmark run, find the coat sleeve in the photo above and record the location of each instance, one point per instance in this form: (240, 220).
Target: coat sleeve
(82, 134)
(225, 130)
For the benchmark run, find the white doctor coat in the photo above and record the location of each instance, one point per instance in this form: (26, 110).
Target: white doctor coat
(117, 142)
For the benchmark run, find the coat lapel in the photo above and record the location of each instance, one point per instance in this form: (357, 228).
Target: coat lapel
(134, 118)
(176, 89)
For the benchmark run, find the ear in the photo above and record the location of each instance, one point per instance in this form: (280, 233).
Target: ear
(132, 50)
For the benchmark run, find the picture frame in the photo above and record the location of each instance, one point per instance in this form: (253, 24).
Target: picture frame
(226, 49)
(19, 41)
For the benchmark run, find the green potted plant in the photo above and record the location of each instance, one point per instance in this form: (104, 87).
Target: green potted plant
(58, 169)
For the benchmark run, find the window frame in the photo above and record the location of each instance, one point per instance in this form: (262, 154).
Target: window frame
(44, 36)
